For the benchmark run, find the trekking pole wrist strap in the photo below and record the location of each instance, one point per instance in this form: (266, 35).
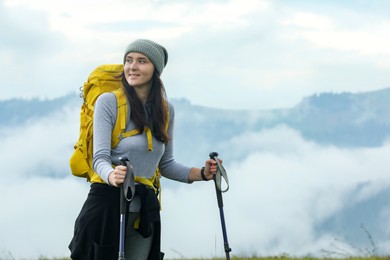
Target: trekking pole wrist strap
(202, 174)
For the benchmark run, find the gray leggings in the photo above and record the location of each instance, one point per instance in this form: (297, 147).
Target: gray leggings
(136, 246)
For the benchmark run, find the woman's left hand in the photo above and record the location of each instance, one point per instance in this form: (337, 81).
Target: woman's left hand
(205, 173)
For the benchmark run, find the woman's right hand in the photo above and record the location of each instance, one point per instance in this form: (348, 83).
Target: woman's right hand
(117, 177)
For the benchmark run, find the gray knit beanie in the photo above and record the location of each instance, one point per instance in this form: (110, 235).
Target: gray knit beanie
(156, 53)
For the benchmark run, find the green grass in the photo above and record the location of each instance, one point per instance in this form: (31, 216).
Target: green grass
(269, 258)
(293, 258)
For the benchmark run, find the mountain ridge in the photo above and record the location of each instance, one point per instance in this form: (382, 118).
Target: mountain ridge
(343, 119)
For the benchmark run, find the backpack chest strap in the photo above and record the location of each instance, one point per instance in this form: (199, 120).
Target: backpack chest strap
(147, 131)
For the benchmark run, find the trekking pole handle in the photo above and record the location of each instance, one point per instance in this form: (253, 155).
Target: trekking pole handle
(123, 160)
(214, 156)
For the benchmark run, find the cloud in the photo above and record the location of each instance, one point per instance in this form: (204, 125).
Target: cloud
(41, 199)
(39, 147)
(73, 22)
(38, 215)
(27, 33)
(277, 198)
(31, 53)
(282, 188)
(260, 55)
(324, 31)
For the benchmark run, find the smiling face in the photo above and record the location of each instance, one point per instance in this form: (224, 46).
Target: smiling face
(138, 70)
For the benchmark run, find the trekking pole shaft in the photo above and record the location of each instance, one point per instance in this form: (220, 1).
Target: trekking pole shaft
(121, 255)
(223, 225)
(221, 213)
(122, 206)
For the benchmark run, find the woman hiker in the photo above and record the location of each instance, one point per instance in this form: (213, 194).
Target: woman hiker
(96, 234)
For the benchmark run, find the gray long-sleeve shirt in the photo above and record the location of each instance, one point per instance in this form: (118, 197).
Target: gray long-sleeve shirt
(144, 162)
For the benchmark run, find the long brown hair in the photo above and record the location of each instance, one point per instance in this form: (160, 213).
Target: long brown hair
(157, 103)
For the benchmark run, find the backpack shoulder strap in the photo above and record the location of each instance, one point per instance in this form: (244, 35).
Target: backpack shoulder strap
(119, 131)
(120, 125)
(121, 118)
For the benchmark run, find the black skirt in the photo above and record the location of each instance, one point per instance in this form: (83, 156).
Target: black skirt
(96, 231)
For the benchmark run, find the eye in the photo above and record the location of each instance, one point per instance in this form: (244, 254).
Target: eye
(129, 60)
(142, 61)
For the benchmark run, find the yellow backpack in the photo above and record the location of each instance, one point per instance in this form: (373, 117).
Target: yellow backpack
(105, 78)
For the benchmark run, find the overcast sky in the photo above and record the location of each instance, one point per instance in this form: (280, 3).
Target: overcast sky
(231, 54)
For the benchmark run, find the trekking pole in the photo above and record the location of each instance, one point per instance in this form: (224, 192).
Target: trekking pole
(121, 254)
(217, 181)
(127, 186)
